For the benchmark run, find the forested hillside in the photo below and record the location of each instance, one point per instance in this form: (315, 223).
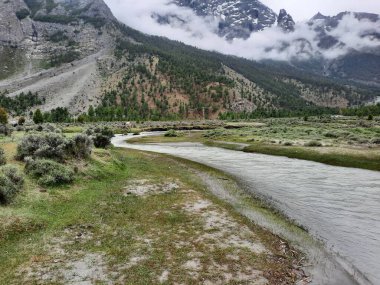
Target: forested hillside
(75, 58)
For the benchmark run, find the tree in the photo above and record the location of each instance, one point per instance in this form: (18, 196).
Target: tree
(3, 116)
(91, 112)
(38, 117)
(21, 121)
(81, 119)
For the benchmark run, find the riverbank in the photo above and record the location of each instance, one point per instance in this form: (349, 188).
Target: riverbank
(137, 218)
(320, 198)
(347, 143)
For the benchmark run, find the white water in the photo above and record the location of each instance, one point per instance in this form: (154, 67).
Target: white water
(340, 206)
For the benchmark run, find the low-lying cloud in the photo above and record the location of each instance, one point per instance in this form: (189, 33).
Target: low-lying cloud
(272, 43)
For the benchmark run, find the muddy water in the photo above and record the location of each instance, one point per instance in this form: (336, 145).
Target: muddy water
(339, 206)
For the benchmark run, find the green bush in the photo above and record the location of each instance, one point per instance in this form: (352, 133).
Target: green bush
(53, 145)
(49, 172)
(313, 144)
(331, 135)
(3, 159)
(22, 14)
(11, 183)
(44, 145)
(80, 146)
(171, 134)
(101, 136)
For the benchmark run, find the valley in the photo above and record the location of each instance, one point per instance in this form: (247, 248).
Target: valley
(190, 142)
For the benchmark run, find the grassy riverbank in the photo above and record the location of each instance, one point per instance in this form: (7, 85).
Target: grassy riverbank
(134, 218)
(339, 142)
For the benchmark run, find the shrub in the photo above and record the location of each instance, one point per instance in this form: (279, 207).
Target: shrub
(331, 135)
(288, 143)
(375, 141)
(3, 159)
(171, 134)
(49, 172)
(370, 117)
(215, 133)
(45, 145)
(313, 144)
(11, 183)
(38, 118)
(22, 14)
(3, 116)
(5, 130)
(80, 146)
(21, 121)
(102, 137)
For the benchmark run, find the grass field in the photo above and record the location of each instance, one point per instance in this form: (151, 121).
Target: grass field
(340, 142)
(135, 218)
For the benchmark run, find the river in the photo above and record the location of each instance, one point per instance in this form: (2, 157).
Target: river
(339, 206)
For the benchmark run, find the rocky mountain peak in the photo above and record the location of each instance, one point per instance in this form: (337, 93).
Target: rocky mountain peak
(285, 21)
(319, 16)
(237, 18)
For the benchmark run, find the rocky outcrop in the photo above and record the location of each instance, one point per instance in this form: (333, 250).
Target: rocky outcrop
(57, 44)
(237, 19)
(285, 21)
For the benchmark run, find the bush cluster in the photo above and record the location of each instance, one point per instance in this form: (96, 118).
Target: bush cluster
(54, 146)
(171, 134)
(3, 159)
(80, 146)
(313, 144)
(43, 145)
(22, 14)
(49, 172)
(11, 183)
(101, 136)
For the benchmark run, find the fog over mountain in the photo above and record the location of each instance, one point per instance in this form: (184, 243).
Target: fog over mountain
(350, 33)
(304, 10)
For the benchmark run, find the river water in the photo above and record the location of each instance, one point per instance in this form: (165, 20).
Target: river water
(339, 206)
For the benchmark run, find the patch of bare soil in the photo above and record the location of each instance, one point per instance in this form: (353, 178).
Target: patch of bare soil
(63, 266)
(144, 187)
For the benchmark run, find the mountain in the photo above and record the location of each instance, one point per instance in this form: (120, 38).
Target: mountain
(74, 55)
(360, 65)
(237, 19)
(336, 42)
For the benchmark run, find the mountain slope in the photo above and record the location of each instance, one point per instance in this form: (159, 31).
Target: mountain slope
(237, 19)
(336, 42)
(82, 56)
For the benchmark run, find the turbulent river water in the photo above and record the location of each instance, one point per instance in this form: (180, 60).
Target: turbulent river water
(339, 206)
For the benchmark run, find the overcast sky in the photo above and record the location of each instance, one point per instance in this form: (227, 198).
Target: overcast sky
(305, 9)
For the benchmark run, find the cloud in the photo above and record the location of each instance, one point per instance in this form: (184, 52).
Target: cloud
(305, 9)
(272, 43)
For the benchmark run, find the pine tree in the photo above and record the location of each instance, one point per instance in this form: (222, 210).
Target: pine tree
(3, 116)
(38, 117)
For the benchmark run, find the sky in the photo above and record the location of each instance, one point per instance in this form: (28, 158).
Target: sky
(305, 9)
(272, 43)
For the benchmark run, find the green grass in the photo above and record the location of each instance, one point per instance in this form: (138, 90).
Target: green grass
(117, 222)
(343, 142)
(307, 153)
